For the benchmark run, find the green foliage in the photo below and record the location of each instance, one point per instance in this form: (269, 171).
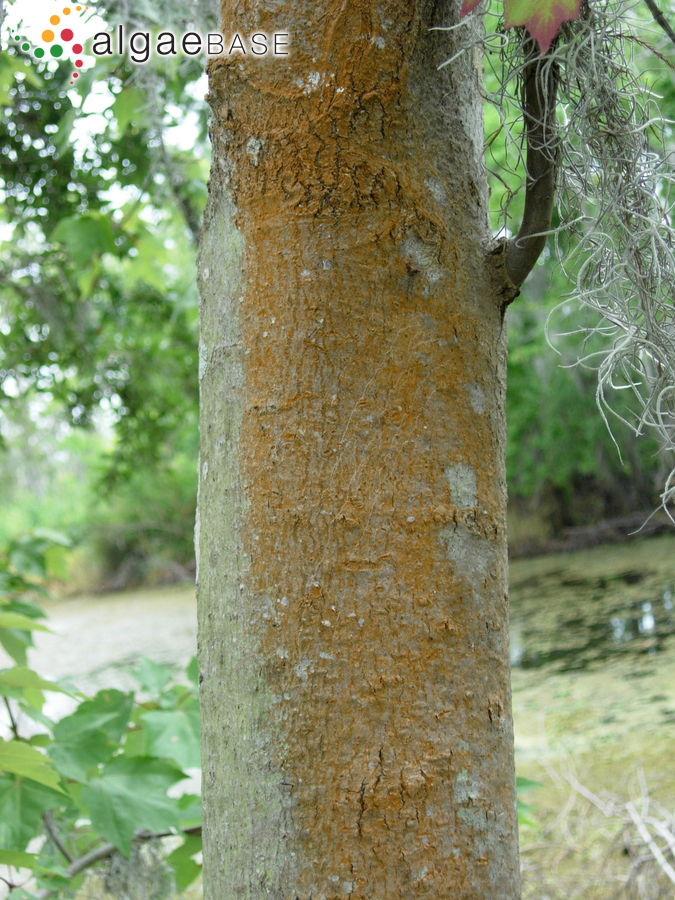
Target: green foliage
(98, 309)
(183, 863)
(561, 457)
(85, 237)
(523, 785)
(130, 794)
(101, 775)
(560, 452)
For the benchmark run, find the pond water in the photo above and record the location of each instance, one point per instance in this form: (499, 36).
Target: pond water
(593, 654)
(566, 619)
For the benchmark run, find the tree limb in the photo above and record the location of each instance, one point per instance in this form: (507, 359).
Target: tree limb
(12, 720)
(540, 86)
(106, 850)
(53, 834)
(660, 19)
(176, 182)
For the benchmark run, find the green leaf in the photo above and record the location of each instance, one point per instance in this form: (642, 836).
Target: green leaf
(523, 809)
(27, 556)
(174, 734)
(87, 280)
(192, 671)
(148, 265)
(151, 676)
(22, 623)
(22, 677)
(186, 870)
(131, 795)
(16, 643)
(62, 136)
(56, 558)
(17, 859)
(6, 85)
(22, 804)
(21, 759)
(91, 735)
(79, 759)
(128, 107)
(34, 698)
(522, 786)
(135, 743)
(190, 806)
(25, 608)
(85, 236)
(109, 711)
(526, 784)
(54, 537)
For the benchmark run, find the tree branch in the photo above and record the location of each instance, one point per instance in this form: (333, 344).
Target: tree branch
(660, 19)
(54, 837)
(12, 720)
(176, 182)
(106, 850)
(540, 87)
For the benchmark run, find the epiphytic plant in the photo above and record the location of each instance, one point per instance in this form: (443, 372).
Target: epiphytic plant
(591, 142)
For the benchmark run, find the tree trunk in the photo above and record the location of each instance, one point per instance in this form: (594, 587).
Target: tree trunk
(352, 574)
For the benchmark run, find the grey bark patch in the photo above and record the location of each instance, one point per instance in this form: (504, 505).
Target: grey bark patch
(253, 148)
(203, 359)
(476, 397)
(471, 553)
(467, 788)
(461, 479)
(197, 544)
(422, 256)
(436, 189)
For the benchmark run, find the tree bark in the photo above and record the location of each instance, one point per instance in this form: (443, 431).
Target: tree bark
(352, 574)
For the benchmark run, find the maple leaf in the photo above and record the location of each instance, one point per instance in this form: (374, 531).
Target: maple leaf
(467, 6)
(542, 18)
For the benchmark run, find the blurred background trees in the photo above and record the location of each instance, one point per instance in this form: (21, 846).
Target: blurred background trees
(102, 187)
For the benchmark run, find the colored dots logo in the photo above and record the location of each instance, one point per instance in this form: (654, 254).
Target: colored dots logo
(22, 41)
(57, 46)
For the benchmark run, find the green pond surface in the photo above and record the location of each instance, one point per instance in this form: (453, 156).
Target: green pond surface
(593, 664)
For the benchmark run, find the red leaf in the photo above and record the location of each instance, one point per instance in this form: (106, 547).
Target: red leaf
(467, 6)
(542, 18)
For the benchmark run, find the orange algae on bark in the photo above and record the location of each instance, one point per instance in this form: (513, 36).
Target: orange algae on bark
(359, 638)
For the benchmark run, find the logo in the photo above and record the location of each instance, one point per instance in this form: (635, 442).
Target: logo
(58, 36)
(63, 34)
